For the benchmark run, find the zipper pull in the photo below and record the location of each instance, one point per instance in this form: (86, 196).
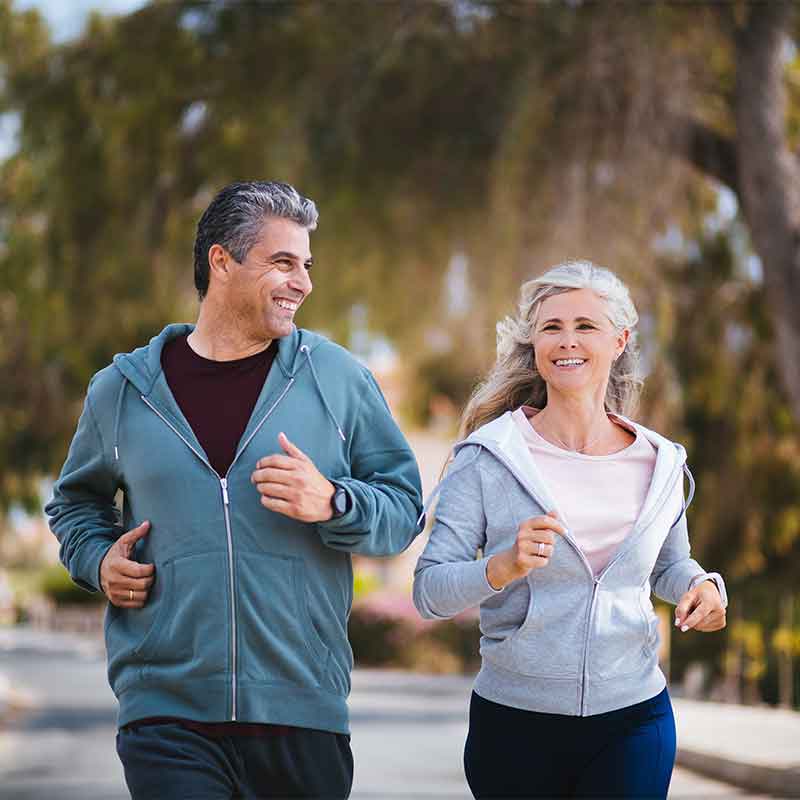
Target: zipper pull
(224, 484)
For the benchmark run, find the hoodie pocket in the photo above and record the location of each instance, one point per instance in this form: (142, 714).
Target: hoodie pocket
(278, 641)
(181, 630)
(621, 638)
(547, 644)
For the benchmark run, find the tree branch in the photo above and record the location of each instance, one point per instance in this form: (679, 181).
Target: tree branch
(712, 153)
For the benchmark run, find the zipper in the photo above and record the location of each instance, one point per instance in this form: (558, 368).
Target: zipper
(500, 456)
(642, 525)
(225, 505)
(223, 482)
(589, 615)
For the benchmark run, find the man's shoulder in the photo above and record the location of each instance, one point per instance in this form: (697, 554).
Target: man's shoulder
(328, 355)
(104, 383)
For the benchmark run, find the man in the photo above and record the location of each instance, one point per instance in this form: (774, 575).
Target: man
(253, 459)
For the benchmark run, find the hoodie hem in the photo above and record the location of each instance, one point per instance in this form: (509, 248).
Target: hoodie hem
(209, 701)
(563, 695)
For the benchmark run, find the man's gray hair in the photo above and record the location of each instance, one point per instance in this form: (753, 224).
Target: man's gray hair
(235, 217)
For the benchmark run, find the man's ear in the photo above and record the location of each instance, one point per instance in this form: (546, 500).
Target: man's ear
(219, 262)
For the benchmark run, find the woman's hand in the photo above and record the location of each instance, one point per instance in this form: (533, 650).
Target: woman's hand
(701, 609)
(531, 550)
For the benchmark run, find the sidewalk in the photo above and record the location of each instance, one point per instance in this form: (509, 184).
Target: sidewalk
(757, 748)
(408, 730)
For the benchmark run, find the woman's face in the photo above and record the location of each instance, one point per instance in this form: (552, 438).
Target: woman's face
(575, 343)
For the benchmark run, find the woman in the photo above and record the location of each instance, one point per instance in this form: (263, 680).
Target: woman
(574, 512)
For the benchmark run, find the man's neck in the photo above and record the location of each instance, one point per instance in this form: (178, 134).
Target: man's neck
(218, 341)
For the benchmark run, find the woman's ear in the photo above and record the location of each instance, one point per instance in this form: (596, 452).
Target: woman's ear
(622, 342)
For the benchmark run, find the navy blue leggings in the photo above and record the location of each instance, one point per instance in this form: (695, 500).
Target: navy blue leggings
(626, 753)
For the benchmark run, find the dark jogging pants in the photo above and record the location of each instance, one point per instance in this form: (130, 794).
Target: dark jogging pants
(171, 762)
(627, 753)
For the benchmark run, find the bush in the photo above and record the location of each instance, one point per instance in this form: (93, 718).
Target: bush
(387, 632)
(56, 584)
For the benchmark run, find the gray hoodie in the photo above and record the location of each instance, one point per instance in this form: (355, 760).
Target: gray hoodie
(560, 640)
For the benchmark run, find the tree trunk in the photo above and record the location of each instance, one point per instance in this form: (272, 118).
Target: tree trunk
(769, 177)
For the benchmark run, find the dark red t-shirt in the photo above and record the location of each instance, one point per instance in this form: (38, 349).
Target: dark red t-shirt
(217, 398)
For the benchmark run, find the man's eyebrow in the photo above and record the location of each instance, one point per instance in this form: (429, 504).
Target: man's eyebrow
(284, 254)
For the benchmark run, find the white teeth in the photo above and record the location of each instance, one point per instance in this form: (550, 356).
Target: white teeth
(288, 305)
(568, 362)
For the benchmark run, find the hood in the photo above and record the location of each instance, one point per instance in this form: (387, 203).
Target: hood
(142, 367)
(503, 439)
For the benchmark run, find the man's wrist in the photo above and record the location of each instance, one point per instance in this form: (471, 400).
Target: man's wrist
(339, 501)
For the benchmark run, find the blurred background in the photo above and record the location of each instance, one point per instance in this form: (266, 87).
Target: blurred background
(454, 149)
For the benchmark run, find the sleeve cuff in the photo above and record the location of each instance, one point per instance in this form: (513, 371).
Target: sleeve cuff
(486, 577)
(342, 523)
(718, 582)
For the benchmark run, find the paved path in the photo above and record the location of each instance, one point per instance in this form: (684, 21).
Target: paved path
(408, 730)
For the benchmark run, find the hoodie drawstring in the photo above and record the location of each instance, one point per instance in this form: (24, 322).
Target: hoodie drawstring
(304, 348)
(688, 501)
(117, 416)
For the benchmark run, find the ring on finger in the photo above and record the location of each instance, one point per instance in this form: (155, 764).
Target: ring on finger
(130, 597)
(541, 550)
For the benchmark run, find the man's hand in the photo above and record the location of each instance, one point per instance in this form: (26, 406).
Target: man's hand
(292, 485)
(701, 608)
(531, 550)
(126, 583)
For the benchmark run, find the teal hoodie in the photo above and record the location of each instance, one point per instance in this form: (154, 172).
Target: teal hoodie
(247, 617)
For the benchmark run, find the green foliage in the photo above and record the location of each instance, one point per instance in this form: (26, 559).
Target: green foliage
(56, 584)
(380, 640)
(363, 584)
(420, 129)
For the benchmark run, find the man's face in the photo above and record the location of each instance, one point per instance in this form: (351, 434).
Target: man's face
(266, 289)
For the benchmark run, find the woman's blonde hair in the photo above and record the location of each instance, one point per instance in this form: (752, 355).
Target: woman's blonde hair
(514, 380)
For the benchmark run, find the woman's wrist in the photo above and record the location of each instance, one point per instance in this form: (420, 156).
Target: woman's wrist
(497, 572)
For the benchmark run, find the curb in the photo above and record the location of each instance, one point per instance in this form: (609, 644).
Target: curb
(776, 781)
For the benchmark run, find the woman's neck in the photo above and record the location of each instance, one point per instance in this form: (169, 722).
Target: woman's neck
(577, 424)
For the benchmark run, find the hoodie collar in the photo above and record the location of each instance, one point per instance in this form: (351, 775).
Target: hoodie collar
(142, 369)
(503, 438)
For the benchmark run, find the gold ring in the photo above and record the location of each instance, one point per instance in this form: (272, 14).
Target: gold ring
(131, 591)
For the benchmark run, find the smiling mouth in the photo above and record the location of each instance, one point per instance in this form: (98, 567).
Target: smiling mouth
(569, 363)
(287, 305)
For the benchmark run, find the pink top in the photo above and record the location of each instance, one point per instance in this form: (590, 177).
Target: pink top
(598, 497)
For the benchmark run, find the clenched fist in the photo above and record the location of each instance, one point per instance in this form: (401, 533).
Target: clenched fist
(701, 609)
(531, 550)
(292, 485)
(124, 582)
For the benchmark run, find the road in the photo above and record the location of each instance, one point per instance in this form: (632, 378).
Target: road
(408, 731)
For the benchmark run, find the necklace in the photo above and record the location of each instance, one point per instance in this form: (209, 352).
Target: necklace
(565, 446)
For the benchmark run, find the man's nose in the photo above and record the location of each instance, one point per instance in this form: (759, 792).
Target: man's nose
(301, 281)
